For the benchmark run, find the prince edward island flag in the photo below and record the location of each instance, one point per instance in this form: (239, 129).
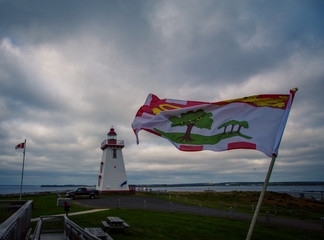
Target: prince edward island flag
(255, 122)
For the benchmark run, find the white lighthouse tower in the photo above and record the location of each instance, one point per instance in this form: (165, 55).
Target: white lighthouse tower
(112, 173)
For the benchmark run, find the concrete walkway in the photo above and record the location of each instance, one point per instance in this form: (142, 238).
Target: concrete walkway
(151, 203)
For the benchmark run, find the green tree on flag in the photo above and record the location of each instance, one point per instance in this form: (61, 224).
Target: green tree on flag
(199, 119)
(244, 124)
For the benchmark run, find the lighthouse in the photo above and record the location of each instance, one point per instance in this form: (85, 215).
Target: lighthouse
(112, 174)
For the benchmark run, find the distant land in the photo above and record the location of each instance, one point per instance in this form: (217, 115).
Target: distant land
(68, 185)
(307, 183)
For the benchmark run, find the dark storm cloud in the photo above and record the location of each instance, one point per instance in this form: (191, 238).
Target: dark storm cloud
(20, 91)
(248, 38)
(36, 22)
(69, 70)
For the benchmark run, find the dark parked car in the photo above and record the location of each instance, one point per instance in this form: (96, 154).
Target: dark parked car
(83, 192)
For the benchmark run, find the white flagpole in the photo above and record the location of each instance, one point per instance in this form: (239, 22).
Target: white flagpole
(266, 182)
(22, 171)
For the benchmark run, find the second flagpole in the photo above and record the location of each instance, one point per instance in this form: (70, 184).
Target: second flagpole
(22, 171)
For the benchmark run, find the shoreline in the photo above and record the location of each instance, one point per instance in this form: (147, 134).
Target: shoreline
(309, 192)
(290, 183)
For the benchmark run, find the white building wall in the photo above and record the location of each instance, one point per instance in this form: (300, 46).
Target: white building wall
(112, 171)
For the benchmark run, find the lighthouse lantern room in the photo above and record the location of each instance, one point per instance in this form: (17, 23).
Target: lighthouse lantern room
(112, 174)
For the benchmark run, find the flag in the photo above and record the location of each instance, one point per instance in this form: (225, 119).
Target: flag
(254, 122)
(20, 146)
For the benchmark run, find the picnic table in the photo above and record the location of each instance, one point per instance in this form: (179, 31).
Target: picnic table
(115, 223)
(98, 232)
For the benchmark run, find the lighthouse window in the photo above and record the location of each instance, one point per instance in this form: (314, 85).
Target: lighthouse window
(101, 165)
(114, 153)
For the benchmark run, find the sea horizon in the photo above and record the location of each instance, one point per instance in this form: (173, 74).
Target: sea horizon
(307, 191)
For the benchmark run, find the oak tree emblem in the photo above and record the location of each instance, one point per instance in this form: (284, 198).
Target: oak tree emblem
(199, 119)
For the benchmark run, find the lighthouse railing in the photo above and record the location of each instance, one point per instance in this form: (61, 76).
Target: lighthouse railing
(118, 142)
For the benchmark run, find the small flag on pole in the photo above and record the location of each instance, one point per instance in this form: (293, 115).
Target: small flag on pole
(20, 146)
(254, 122)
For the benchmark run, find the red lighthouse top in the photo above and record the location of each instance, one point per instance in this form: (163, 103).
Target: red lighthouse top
(112, 132)
(111, 140)
(112, 136)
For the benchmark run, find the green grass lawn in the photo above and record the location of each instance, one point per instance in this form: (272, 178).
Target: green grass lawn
(278, 204)
(164, 225)
(47, 205)
(146, 224)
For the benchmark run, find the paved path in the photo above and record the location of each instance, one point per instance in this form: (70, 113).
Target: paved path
(151, 203)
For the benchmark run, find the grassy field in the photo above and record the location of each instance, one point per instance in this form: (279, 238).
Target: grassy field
(277, 204)
(164, 225)
(47, 205)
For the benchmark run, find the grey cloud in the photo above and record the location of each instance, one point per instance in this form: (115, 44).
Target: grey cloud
(70, 70)
(243, 40)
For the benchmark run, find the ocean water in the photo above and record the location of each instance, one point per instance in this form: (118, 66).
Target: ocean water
(9, 189)
(309, 192)
(284, 189)
(316, 192)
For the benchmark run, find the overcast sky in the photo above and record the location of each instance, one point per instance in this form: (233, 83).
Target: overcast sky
(69, 70)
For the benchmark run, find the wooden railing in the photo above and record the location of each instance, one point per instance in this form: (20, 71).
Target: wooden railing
(18, 224)
(68, 228)
(73, 231)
